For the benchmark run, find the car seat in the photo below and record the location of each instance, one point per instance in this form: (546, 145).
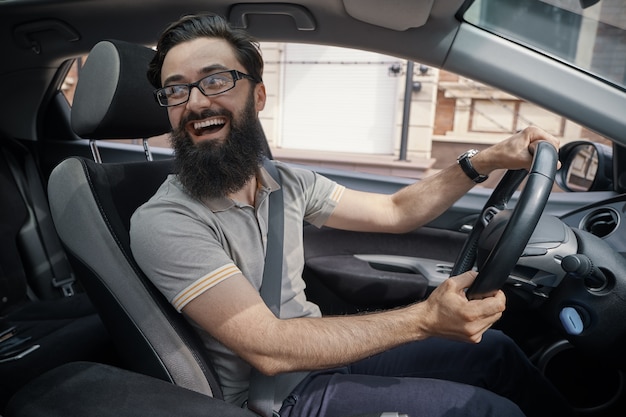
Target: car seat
(91, 205)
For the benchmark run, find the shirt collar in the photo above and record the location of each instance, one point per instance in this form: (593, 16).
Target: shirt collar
(267, 184)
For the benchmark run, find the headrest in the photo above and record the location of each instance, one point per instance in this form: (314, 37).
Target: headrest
(113, 98)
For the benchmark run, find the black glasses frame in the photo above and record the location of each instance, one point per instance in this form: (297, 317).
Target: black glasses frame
(161, 98)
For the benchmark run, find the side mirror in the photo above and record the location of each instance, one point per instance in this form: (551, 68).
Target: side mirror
(585, 166)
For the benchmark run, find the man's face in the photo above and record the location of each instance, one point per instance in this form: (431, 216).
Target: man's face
(218, 140)
(190, 61)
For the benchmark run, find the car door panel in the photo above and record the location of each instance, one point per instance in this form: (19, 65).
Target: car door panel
(361, 271)
(352, 271)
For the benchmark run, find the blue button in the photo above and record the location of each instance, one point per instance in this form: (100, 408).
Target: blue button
(571, 320)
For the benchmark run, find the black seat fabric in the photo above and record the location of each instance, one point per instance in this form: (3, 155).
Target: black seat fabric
(43, 328)
(92, 203)
(112, 392)
(124, 107)
(52, 333)
(13, 215)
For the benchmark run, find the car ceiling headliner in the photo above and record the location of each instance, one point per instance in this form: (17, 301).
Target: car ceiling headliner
(142, 21)
(423, 31)
(62, 29)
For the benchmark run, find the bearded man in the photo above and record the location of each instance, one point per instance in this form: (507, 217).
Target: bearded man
(202, 239)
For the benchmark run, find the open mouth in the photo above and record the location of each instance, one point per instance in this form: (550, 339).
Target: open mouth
(208, 126)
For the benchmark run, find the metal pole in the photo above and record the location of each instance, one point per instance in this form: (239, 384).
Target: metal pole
(406, 114)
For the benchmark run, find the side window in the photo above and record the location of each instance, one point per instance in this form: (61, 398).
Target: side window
(379, 114)
(372, 113)
(69, 84)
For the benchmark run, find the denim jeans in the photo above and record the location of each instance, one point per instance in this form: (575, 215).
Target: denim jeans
(432, 378)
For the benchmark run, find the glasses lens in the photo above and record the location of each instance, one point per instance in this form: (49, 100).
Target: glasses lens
(173, 95)
(216, 83)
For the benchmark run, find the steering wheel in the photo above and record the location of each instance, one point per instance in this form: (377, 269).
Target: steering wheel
(507, 231)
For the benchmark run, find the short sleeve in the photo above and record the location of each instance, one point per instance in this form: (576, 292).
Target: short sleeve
(178, 250)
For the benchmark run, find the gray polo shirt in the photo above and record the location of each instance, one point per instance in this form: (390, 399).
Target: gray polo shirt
(186, 246)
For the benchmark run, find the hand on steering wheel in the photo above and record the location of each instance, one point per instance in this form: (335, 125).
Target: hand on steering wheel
(508, 230)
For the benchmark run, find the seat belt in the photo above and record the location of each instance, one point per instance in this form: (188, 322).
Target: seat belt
(261, 390)
(39, 235)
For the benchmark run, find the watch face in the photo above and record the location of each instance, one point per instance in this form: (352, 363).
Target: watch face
(468, 154)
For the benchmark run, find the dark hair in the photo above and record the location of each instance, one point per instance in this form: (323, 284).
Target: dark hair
(191, 27)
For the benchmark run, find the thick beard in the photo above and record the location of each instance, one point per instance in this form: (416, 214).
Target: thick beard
(213, 169)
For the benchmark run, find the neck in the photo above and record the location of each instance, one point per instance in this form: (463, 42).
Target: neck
(247, 194)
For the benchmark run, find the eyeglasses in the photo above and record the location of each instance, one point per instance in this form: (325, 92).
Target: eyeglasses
(211, 85)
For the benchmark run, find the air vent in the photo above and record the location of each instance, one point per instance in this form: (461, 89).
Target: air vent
(601, 222)
(444, 268)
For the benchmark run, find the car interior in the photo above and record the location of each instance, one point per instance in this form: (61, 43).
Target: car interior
(80, 324)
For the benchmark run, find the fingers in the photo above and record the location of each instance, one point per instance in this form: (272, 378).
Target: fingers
(448, 313)
(536, 135)
(486, 312)
(490, 306)
(480, 314)
(464, 280)
(475, 309)
(517, 151)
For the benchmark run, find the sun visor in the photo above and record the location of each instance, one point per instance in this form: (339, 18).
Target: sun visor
(398, 15)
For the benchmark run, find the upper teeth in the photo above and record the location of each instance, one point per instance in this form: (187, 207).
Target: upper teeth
(207, 123)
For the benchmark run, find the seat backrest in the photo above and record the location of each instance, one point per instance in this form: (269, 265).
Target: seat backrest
(91, 206)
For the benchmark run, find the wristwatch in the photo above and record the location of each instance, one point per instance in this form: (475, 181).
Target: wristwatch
(466, 165)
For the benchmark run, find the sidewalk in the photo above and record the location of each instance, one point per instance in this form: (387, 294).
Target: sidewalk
(372, 164)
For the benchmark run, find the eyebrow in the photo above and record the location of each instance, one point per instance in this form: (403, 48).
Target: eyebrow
(177, 78)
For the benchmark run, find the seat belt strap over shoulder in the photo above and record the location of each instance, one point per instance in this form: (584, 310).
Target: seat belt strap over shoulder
(273, 269)
(261, 390)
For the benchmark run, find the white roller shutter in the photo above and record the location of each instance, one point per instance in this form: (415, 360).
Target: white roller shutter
(337, 99)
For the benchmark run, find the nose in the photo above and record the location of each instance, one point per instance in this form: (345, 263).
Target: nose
(197, 99)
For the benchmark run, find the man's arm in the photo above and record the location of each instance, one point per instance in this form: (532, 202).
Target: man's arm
(421, 202)
(234, 313)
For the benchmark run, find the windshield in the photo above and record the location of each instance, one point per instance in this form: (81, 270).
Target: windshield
(587, 34)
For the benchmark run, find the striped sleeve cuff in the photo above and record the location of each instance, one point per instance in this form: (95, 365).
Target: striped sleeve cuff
(337, 193)
(201, 285)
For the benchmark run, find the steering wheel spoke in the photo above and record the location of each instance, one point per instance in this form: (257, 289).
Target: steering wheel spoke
(488, 214)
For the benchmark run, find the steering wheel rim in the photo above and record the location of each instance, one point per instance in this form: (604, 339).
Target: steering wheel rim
(522, 222)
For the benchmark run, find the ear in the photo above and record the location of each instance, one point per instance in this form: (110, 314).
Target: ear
(259, 96)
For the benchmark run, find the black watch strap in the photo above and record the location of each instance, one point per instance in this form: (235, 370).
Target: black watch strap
(464, 161)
